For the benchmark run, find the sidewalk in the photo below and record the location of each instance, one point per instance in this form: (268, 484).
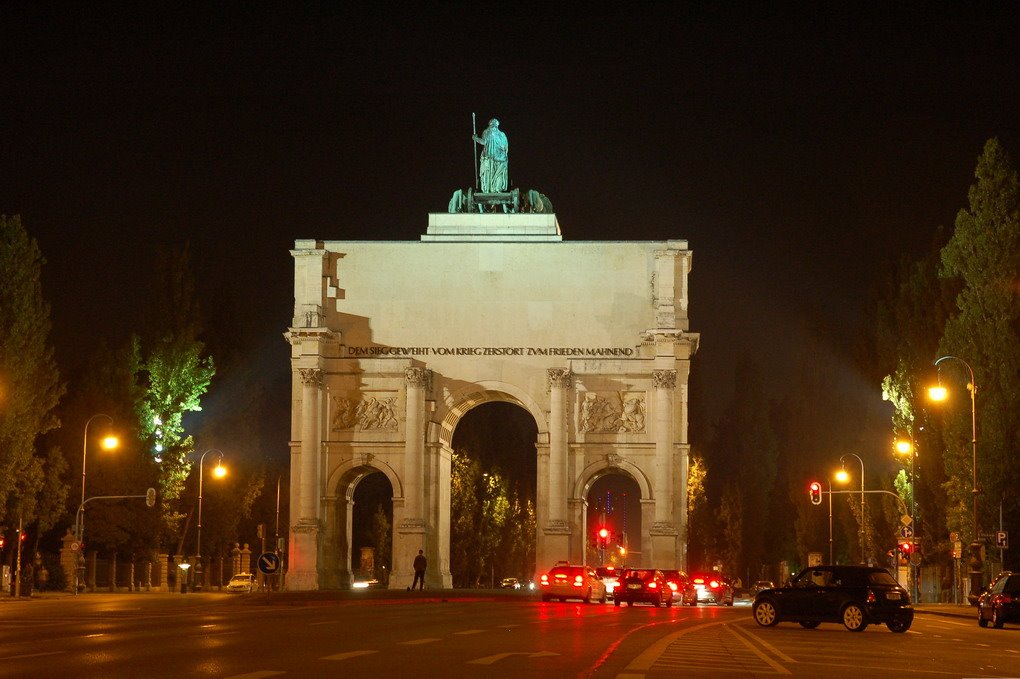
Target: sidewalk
(948, 610)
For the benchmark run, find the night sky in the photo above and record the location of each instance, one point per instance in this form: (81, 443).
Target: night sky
(800, 154)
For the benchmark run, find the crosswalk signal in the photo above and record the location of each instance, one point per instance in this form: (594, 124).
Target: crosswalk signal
(815, 492)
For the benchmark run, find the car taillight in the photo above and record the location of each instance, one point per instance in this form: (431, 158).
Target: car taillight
(871, 597)
(1005, 598)
(653, 585)
(699, 581)
(545, 579)
(578, 581)
(672, 586)
(714, 584)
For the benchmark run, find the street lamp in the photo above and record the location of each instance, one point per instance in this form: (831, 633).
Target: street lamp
(907, 448)
(109, 442)
(842, 476)
(939, 393)
(219, 472)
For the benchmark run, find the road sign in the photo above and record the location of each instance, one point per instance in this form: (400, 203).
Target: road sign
(957, 549)
(150, 497)
(915, 558)
(906, 520)
(1002, 539)
(906, 532)
(269, 563)
(75, 546)
(954, 536)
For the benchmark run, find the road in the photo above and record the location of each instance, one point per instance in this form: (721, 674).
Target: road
(465, 636)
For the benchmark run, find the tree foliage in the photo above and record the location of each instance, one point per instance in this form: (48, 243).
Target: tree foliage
(30, 385)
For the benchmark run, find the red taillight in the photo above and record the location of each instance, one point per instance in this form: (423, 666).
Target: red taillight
(673, 586)
(871, 597)
(1005, 598)
(653, 585)
(545, 579)
(578, 581)
(699, 581)
(714, 584)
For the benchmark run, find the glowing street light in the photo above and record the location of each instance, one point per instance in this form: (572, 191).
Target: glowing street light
(219, 472)
(109, 442)
(940, 393)
(842, 476)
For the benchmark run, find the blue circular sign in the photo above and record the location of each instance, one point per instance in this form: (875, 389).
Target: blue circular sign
(269, 563)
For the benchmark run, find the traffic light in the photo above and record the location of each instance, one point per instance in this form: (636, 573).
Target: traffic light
(603, 537)
(815, 491)
(3, 540)
(906, 548)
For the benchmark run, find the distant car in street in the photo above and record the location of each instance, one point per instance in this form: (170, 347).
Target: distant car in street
(1000, 603)
(853, 595)
(711, 588)
(566, 581)
(646, 585)
(760, 585)
(509, 583)
(241, 582)
(680, 584)
(610, 578)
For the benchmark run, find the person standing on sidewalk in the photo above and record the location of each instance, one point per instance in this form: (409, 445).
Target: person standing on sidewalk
(420, 563)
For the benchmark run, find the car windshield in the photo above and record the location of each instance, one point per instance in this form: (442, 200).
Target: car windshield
(607, 572)
(640, 574)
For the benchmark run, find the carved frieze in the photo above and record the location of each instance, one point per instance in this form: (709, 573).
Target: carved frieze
(664, 379)
(419, 377)
(561, 378)
(311, 377)
(620, 412)
(368, 413)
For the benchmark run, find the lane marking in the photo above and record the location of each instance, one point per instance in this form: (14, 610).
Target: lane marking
(349, 654)
(327, 622)
(471, 631)
(492, 659)
(645, 661)
(775, 651)
(30, 655)
(418, 642)
(757, 651)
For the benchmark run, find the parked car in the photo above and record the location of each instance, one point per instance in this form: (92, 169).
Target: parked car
(760, 585)
(1000, 603)
(679, 583)
(241, 582)
(565, 581)
(610, 578)
(853, 595)
(509, 583)
(646, 585)
(711, 588)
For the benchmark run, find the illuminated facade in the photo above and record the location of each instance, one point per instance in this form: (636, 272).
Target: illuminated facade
(392, 343)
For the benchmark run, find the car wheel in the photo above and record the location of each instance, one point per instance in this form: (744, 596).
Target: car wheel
(765, 613)
(898, 626)
(981, 619)
(997, 621)
(605, 597)
(853, 618)
(730, 602)
(587, 597)
(809, 624)
(669, 602)
(616, 602)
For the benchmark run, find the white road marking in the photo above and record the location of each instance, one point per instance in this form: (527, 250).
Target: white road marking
(471, 631)
(492, 659)
(349, 654)
(418, 642)
(30, 655)
(754, 649)
(775, 651)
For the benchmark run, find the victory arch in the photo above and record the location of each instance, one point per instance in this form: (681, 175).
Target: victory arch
(392, 343)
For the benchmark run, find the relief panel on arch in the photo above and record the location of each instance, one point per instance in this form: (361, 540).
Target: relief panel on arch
(364, 412)
(612, 412)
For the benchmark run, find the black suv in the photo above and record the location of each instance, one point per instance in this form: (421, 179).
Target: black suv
(643, 585)
(853, 595)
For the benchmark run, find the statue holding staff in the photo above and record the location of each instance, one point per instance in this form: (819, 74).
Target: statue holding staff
(494, 158)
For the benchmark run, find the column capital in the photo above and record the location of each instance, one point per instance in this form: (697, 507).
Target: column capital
(419, 377)
(311, 377)
(559, 377)
(664, 379)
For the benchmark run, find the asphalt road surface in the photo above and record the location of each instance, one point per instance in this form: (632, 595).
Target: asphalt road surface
(428, 634)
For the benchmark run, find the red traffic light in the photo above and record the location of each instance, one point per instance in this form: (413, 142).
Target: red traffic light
(604, 533)
(2, 541)
(906, 547)
(815, 492)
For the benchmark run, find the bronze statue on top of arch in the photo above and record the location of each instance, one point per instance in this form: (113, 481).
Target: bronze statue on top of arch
(490, 192)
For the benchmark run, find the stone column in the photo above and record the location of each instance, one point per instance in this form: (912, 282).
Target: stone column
(665, 383)
(162, 561)
(410, 535)
(557, 529)
(304, 550)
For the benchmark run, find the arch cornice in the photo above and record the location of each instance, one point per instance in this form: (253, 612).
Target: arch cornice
(347, 468)
(598, 467)
(458, 403)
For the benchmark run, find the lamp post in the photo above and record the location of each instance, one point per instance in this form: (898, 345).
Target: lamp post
(219, 472)
(842, 476)
(939, 393)
(109, 443)
(907, 447)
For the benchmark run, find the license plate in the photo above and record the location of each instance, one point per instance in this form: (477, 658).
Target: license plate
(894, 596)
(633, 586)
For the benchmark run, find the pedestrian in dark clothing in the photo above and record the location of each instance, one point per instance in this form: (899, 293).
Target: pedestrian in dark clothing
(419, 570)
